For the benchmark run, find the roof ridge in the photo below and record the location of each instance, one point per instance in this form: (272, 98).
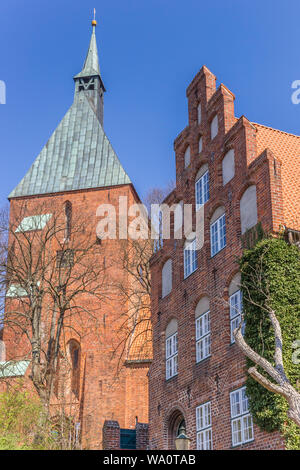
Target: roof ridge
(274, 129)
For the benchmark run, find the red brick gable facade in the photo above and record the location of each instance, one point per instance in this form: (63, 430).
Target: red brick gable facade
(259, 162)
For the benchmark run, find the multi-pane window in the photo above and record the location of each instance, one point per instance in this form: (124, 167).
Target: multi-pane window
(190, 258)
(203, 427)
(202, 190)
(241, 419)
(202, 337)
(218, 235)
(236, 310)
(171, 356)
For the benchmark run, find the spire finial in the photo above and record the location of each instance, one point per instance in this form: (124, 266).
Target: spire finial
(94, 22)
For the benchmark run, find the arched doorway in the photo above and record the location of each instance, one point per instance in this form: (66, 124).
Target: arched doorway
(176, 423)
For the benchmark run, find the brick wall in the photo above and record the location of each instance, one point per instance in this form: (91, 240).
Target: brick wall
(111, 435)
(142, 436)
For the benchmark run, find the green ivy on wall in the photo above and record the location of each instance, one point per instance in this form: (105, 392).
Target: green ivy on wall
(271, 273)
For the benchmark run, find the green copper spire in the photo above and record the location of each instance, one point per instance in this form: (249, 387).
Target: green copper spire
(91, 64)
(78, 154)
(89, 81)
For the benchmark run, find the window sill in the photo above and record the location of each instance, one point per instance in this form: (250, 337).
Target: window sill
(186, 277)
(203, 360)
(165, 296)
(171, 378)
(202, 205)
(212, 256)
(242, 444)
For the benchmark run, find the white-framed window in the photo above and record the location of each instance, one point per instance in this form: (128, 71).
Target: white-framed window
(202, 337)
(218, 235)
(16, 290)
(171, 356)
(236, 310)
(190, 258)
(204, 427)
(33, 222)
(241, 419)
(202, 190)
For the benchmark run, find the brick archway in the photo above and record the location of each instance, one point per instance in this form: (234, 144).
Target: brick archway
(175, 421)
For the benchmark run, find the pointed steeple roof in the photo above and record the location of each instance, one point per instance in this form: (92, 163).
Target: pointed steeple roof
(78, 154)
(91, 65)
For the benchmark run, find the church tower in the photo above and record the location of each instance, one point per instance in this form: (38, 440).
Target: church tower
(88, 81)
(76, 172)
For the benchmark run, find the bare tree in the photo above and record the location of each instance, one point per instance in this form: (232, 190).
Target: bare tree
(135, 331)
(277, 380)
(156, 195)
(51, 281)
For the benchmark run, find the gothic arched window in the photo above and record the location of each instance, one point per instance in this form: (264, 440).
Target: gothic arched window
(68, 220)
(74, 351)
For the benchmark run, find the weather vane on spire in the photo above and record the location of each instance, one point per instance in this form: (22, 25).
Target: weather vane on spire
(94, 22)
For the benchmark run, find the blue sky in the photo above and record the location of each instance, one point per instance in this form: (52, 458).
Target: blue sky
(149, 52)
